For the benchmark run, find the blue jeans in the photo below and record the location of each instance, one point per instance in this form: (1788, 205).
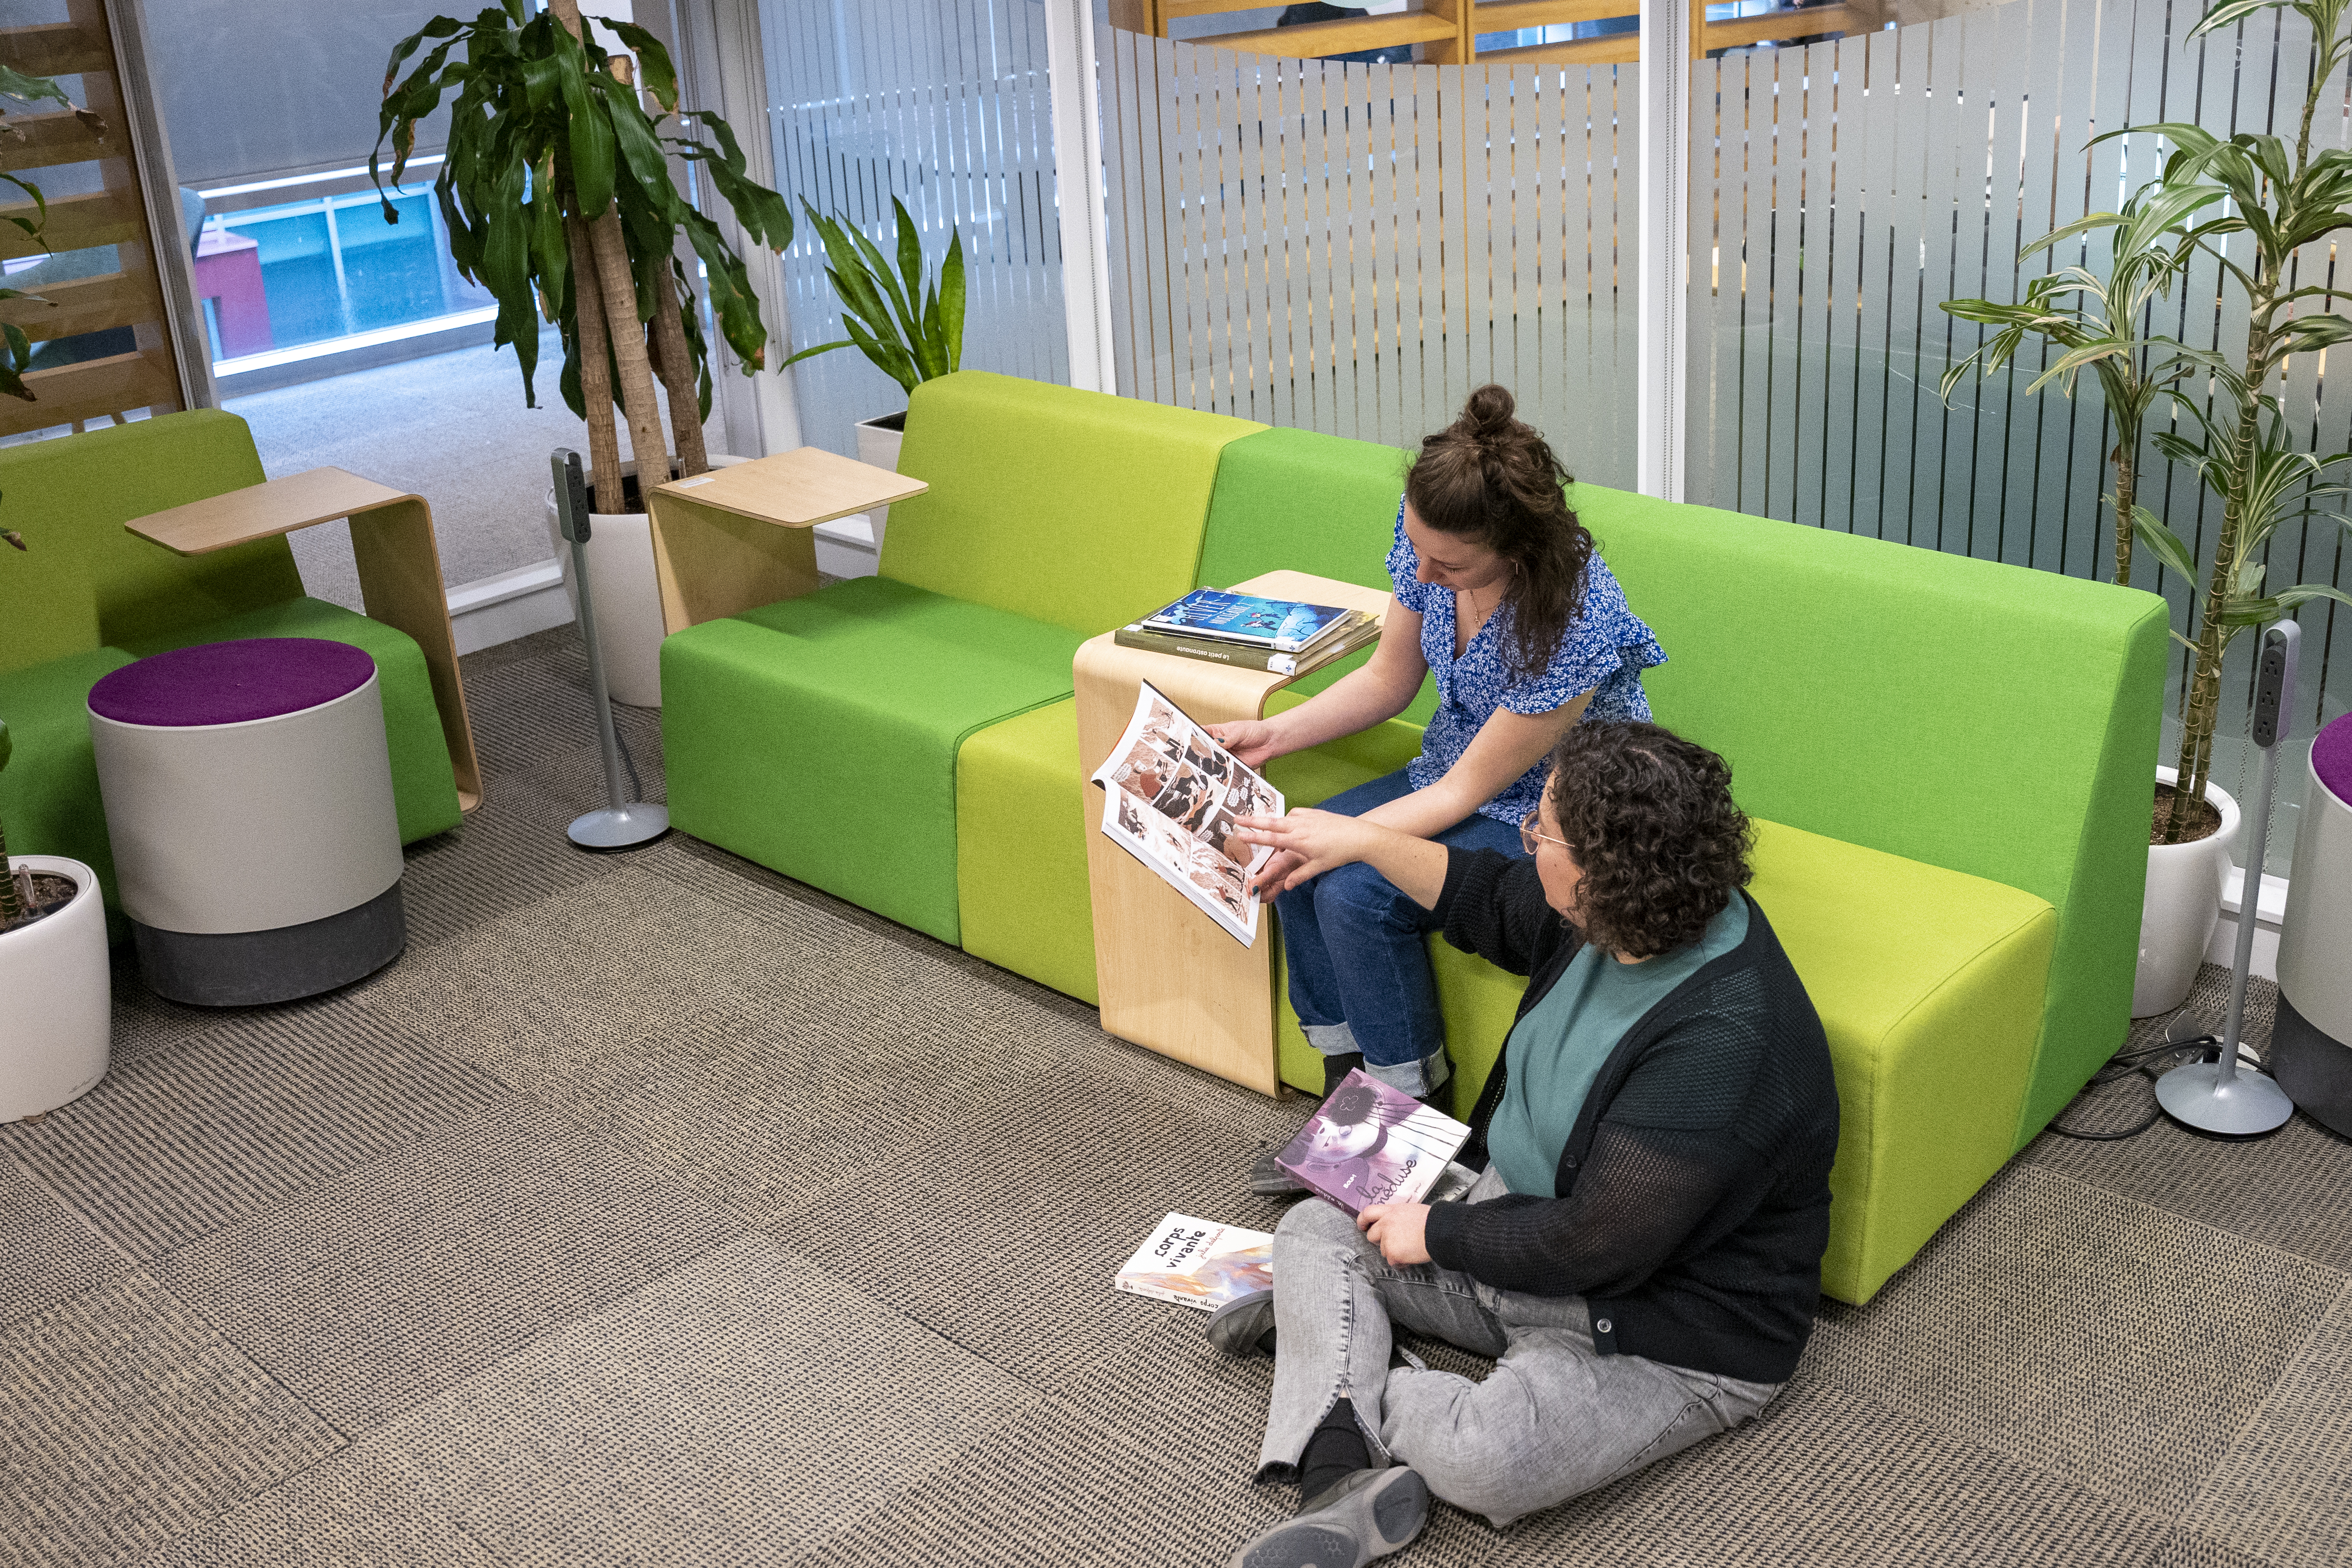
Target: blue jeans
(1359, 974)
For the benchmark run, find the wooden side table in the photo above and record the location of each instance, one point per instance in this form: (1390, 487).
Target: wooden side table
(1171, 979)
(399, 563)
(738, 537)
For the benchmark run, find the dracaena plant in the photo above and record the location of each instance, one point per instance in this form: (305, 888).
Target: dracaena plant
(557, 192)
(2281, 197)
(911, 329)
(2095, 321)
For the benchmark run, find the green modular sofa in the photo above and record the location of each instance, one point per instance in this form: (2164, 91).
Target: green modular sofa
(1947, 759)
(87, 597)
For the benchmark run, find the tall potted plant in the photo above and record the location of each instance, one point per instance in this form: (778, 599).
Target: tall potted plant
(557, 192)
(19, 92)
(907, 324)
(55, 1029)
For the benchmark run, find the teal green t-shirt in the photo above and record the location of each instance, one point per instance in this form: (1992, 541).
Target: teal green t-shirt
(1556, 1052)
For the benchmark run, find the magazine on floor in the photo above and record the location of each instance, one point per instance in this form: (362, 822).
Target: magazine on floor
(1172, 798)
(1199, 1263)
(1370, 1144)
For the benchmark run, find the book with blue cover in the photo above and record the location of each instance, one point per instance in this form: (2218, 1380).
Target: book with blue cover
(1285, 625)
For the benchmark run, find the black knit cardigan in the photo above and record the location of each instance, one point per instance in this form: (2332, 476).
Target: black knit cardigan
(1693, 1200)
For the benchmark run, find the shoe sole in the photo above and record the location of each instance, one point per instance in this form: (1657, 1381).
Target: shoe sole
(1385, 1517)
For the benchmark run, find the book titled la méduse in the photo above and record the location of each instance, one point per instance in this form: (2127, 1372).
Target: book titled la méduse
(1371, 1143)
(1199, 1263)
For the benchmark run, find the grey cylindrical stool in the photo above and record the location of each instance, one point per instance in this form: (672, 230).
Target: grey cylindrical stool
(248, 799)
(2311, 1044)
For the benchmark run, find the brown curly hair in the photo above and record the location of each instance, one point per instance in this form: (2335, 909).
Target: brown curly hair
(1654, 829)
(1494, 481)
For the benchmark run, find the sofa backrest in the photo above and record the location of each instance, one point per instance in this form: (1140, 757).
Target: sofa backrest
(1293, 499)
(70, 496)
(1078, 508)
(1989, 718)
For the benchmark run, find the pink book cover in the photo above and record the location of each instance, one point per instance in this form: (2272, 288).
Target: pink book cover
(1371, 1143)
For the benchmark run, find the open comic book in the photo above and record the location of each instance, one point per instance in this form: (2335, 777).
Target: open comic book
(1370, 1144)
(1170, 798)
(1199, 1263)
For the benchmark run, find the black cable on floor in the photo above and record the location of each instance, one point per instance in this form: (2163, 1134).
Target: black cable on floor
(2126, 1064)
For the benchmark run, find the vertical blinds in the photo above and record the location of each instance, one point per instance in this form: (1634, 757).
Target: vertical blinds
(944, 105)
(1351, 248)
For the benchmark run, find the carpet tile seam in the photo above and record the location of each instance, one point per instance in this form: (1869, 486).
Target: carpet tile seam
(2343, 1275)
(2254, 1420)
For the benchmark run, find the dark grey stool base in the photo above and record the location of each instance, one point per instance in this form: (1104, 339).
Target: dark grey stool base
(253, 968)
(2314, 1069)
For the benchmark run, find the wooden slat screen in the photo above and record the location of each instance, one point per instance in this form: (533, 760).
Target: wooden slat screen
(1351, 248)
(1447, 32)
(127, 297)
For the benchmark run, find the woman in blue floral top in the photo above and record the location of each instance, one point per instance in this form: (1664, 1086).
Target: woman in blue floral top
(1500, 595)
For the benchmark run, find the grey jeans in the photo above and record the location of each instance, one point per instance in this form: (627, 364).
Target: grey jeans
(1554, 1418)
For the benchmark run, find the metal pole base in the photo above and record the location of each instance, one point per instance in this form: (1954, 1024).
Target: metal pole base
(2248, 1106)
(620, 827)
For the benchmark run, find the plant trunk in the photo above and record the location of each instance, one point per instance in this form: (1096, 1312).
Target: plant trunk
(2126, 483)
(596, 368)
(676, 366)
(609, 248)
(646, 442)
(12, 906)
(2201, 710)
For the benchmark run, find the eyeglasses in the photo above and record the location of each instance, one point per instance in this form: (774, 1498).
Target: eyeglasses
(1531, 836)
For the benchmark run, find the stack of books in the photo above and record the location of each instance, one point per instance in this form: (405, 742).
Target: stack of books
(1278, 635)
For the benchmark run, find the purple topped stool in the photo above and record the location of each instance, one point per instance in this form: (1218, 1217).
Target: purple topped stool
(248, 799)
(2311, 1044)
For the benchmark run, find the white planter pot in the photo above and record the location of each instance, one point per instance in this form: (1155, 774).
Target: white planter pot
(628, 598)
(57, 1000)
(2182, 902)
(852, 546)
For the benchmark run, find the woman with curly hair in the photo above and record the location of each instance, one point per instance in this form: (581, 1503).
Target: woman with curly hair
(1635, 1228)
(1500, 595)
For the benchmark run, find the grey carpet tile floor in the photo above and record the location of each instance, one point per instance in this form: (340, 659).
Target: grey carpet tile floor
(659, 1209)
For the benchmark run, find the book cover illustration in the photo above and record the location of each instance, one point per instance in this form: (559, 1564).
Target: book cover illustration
(1283, 624)
(1199, 1263)
(1171, 796)
(1371, 1143)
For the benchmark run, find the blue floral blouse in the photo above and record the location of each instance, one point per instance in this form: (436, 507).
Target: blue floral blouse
(1605, 650)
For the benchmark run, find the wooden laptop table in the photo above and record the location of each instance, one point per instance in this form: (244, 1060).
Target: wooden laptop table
(1171, 977)
(738, 537)
(400, 571)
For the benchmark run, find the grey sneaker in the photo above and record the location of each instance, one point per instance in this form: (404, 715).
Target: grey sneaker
(1268, 1179)
(1244, 1325)
(1370, 1515)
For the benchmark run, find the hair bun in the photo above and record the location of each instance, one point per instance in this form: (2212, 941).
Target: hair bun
(1488, 413)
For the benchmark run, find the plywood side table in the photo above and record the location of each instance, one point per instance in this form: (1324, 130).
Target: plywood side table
(1171, 979)
(738, 537)
(399, 564)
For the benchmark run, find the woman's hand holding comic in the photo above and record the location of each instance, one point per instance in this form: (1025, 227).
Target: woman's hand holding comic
(1252, 741)
(1400, 1230)
(1306, 844)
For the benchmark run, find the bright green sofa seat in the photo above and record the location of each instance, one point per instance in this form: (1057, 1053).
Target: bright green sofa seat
(820, 736)
(89, 597)
(1981, 718)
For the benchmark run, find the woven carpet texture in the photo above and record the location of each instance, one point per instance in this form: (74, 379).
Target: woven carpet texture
(653, 1209)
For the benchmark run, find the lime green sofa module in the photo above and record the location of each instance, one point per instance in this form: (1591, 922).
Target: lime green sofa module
(1283, 498)
(1986, 719)
(89, 597)
(821, 736)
